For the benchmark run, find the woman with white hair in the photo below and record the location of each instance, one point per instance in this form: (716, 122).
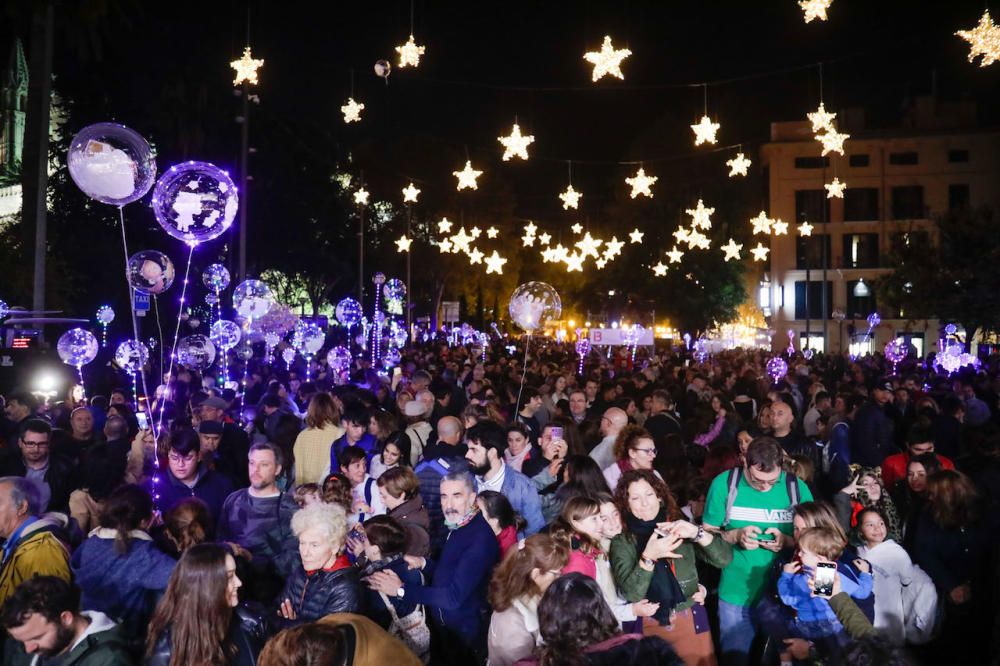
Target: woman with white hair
(326, 582)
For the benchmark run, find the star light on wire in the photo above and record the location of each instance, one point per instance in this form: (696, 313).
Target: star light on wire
(822, 120)
(403, 244)
(660, 269)
(544, 238)
(574, 262)
(445, 246)
(570, 198)
(467, 177)
(475, 256)
(410, 193)
(607, 61)
(701, 217)
(246, 68)
(814, 9)
(492, 232)
(761, 224)
(833, 142)
(577, 228)
(409, 53)
(444, 226)
(738, 165)
(613, 247)
(835, 189)
(675, 255)
(640, 183)
(528, 240)
(636, 236)
(494, 263)
(361, 197)
(460, 241)
(779, 227)
(984, 40)
(515, 144)
(530, 229)
(760, 252)
(732, 249)
(352, 110)
(704, 131)
(805, 229)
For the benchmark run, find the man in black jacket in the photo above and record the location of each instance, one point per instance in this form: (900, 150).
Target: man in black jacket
(872, 433)
(52, 474)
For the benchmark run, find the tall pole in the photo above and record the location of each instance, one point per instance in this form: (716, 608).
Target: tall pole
(244, 191)
(361, 256)
(409, 285)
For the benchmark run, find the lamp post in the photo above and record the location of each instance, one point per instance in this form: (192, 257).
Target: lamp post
(246, 75)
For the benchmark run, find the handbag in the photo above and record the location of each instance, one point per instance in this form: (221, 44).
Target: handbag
(411, 629)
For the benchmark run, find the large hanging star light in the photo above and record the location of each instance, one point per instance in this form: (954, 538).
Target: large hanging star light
(361, 197)
(814, 9)
(475, 256)
(984, 40)
(681, 234)
(475, 232)
(246, 68)
(698, 240)
(760, 252)
(660, 269)
(761, 224)
(732, 249)
(822, 121)
(544, 238)
(515, 144)
(607, 61)
(588, 245)
(704, 131)
(492, 232)
(805, 229)
(640, 183)
(613, 247)
(410, 193)
(403, 244)
(352, 110)
(574, 262)
(675, 255)
(833, 142)
(636, 236)
(494, 263)
(601, 263)
(444, 245)
(444, 226)
(460, 241)
(409, 53)
(528, 240)
(835, 189)
(530, 229)
(577, 228)
(467, 177)
(701, 217)
(570, 198)
(779, 227)
(738, 165)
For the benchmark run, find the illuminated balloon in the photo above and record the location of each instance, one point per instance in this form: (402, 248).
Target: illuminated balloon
(225, 334)
(131, 355)
(378, 279)
(252, 299)
(777, 368)
(348, 312)
(951, 329)
(245, 351)
(339, 358)
(533, 304)
(77, 347)
(4, 309)
(216, 277)
(271, 339)
(288, 354)
(808, 354)
(874, 320)
(895, 350)
(105, 314)
(195, 201)
(394, 291)
(111, 163)
(308, 337)
(150, 272)
(195, 352)
(383, 69)
(212, 299)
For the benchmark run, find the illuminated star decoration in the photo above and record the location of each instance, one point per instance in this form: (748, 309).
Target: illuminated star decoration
(409, 53)
(984, 40)
(805, 229)
(821, 120)
(760, 252)
(589, 245)
(814, 9)
(835, 189)
(475, 232)
(732, 249)
(528, 240)
(530, 229)
(738, 165)
(660, 269)
(246, 68)
(352, 110)
(570, 198)
(515, 144)
(779, 228)
(636, 236)
(460, 241)
(613, 247)
(675, 255)
(403, 244)
(607, 61)
(492, 232)
(577, 228)
(761, 224)
(445, 246)
(833, 142)
(574, 262)
(701, 216)
(475, 256)
(544, 239)
(704, 131)
(640, 183)
(444, 226)
(467, 177)
(494, 263)
(410, 193)
(361, 197)
(601, 263)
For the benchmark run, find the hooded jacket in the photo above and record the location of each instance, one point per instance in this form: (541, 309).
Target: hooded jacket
(39, 551)
(101, 644)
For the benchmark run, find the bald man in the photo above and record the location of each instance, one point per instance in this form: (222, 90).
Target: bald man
(449, 440)
(612, 422)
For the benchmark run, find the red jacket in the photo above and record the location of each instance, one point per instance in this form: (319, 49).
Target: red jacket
(894, 467)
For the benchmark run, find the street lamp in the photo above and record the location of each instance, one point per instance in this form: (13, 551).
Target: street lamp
(764, 295)
(861, 290)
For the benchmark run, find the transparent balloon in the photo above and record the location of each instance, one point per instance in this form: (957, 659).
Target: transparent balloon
(212, 299)
(288, 354)
(271, 339)
(533, 304)
(225, 334)
(245, 351)
(896, 350)
(131, 355)
(150, 272)
(874, 320)
(808, 354)
(77, 347)
(308, 337)
(105, 314)
(195, 201)
(339, 358)
(383, 69)
(951, 329)
(394, 291)
(111, 163)
(215, 277)
(195, 352)
(378, 279)
(252, 299)
(777, 367)
(348, 312)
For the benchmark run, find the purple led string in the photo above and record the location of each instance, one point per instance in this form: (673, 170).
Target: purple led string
(177, 330)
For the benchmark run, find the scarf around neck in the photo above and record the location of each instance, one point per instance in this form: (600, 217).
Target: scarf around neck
(664, 588)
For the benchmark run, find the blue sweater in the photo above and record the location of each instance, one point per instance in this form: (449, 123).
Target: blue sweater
(523, 496)
(367, 442)
(795, 592)
(456, 595)
(210, 487)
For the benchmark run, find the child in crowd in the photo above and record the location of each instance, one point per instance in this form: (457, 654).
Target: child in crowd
(306, 494)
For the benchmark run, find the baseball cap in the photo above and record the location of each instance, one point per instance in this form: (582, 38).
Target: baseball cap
(215, 402)
(884, 384)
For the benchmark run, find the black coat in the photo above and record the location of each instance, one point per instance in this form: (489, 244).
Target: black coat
(872, 436)
(61, 477)
(324, 592)
(248, 631)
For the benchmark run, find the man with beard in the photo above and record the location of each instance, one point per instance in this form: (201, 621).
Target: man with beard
(487, 442)
(44, 619)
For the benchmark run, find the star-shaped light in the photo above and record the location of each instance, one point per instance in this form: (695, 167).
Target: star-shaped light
(409, 53)
(475, 256)
(833, 142)
(760, 252)
(548, 255)
(560, 253)
(574, 262)
(352, 110)
(660, 269)
(492, 232)
(515, 144)
(361, 197)
(403, 244)
(607, 61)
(444, 226)
(822, 121)
(601, 263)
(494, 263)
(761, 224)
(475, 232)
(778, 227)
(640, 183)
(984, 40)
(570, 198)
(410, 193)
(732, 249)
(698, 240)
(681, 234)
(444, 245)
(544, 238)
(246, 68)
(577, 228)
(588, 245)
(461, 241)
(738, 165)
(613, 247)
(530, 229)
(675, 255)
(814, 9)
(528, 240)
(701, 217)
(704, 131)
(467, 177)
(835, 189)
(805, 229)
(636, 236)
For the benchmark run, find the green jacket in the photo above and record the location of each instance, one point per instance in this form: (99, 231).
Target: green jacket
(633, 581)
(853, 618)
(103, 645)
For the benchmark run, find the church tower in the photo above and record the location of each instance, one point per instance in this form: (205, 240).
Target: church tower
(13, 104)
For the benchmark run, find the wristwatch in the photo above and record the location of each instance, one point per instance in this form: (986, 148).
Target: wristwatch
(701, 533)
(400, 592)
(648, 562)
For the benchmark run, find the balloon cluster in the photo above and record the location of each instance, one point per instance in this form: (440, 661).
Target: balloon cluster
(954, 358)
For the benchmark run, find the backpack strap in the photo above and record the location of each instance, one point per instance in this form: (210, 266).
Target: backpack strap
(792, 485)
(368, 491)
(735, 474)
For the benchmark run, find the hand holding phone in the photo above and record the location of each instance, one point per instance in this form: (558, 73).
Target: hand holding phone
(823, 579)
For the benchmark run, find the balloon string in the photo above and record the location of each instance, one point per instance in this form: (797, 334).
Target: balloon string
(524, 367)
(177, 330)
(159, 327)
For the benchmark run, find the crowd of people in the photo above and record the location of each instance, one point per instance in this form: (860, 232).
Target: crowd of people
(477, 508)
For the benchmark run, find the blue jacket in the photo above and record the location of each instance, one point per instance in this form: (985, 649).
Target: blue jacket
(523, 496)
(456, 595)
(795, 592)
(367, 442)
(210, 487)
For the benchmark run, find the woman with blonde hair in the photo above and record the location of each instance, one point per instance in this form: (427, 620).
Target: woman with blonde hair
(634, 449)
(312, 446)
